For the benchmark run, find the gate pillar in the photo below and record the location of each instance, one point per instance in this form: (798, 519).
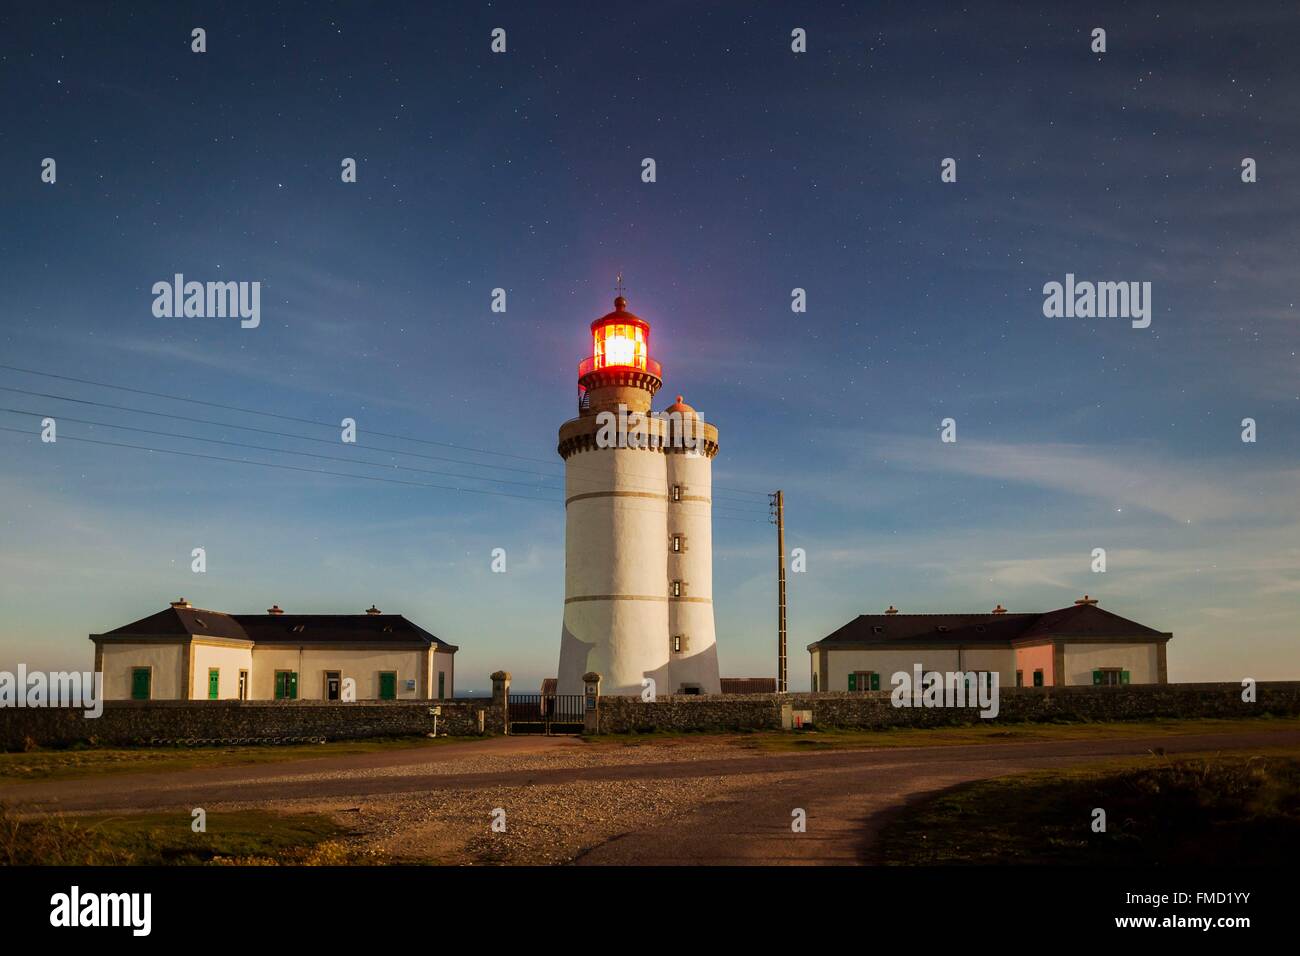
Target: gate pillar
(501, 697)
(591, 703)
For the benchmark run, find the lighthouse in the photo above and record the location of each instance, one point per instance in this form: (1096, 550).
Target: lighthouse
(638, 548)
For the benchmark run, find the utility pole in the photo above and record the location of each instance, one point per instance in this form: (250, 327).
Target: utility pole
(778, 518)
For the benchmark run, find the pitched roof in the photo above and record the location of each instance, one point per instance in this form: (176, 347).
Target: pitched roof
(334, 629)
(282, 628)
(180, 621)
(919, 630)
(1088, 620)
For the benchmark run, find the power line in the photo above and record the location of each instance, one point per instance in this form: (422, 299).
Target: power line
(305, 438)
(319, 441)
(286, 451)
(317, 471)
(308, 421)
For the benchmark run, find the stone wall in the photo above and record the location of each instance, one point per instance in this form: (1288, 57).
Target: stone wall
(874, 710)
(228, 721)
(128, 722)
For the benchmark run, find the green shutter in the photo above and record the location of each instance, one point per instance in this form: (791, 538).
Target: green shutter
(140, 689)
(286, 685)
(1123, 677)
(387, 686)
(853, 682)
(1096, 678)
(214, 683)
(875, 681)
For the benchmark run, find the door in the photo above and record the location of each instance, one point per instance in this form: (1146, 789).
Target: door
(333, 685)
(388, 685)
(286, 685)
(214, 683)
(442, 685)
(141, 683)
(243, 685)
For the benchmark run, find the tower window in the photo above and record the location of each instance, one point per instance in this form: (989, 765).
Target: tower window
(677, 492)
(677, 589)
(678, 643)
(678, 542)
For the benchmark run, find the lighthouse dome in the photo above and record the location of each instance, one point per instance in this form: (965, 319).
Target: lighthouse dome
(680, 407)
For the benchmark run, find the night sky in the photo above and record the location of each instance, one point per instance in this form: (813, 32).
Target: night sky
(775, 171)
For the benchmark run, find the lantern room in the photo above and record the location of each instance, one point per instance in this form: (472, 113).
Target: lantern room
(619, 339)
(620, 357)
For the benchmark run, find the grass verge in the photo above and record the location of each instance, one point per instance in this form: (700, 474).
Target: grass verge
(83, 761)
(241, 838)
(984, 732)
(1010, 733)
(1198, 810)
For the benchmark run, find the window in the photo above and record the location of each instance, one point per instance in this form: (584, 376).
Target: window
(1020, 678)
(141, 683)
(679, 643)
(677, 492)
(442, 684)
(677, 589)
(214, 683)
(1109, 677)
(388, 685)
(677, 543)
(243, 685)
(1038, 677)
(814, 683)
(286, 685)
(333, 685)
(862, 681)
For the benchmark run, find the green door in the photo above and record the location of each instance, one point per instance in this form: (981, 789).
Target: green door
(214, 683)
(387, 685)
(286, 685)
(140, 681)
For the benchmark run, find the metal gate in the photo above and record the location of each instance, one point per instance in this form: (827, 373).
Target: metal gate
(546, 714)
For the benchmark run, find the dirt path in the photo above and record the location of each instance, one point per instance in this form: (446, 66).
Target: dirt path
(700, 801)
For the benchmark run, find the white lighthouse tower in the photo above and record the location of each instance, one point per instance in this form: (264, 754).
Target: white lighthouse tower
(638, 575)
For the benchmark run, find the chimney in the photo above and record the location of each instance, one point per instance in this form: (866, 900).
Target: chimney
(274, 609)
(999, 609)
(891, 610)
(181, 602)
(372, 610)
(1086, 600)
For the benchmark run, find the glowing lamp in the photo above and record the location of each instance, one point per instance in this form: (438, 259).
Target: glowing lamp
(620, 339)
